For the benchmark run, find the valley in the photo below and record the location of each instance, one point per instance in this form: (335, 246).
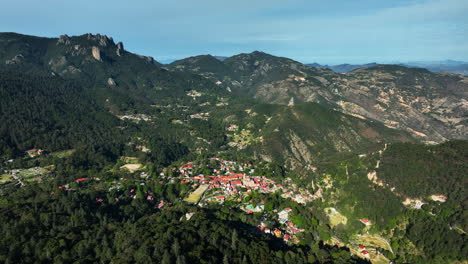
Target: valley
(109, 156)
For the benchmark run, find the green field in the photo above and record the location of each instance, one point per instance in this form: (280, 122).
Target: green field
(130, 160)
(335, 217)
(132, 167)
(31, 173)
(63, 154)
(195, 196)
(373, 241)
(4, 178)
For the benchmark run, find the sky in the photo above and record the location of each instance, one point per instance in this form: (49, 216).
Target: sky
(327, 32)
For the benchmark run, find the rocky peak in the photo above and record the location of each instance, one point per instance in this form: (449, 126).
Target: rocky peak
(120, 49)
(102, 40)
(63, 39)
(148, 59)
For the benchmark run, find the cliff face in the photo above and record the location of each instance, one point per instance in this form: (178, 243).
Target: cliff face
(300, 135)
(96, 53)
(433, 107)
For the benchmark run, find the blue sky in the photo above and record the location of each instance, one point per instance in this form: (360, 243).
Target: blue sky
(330, 31)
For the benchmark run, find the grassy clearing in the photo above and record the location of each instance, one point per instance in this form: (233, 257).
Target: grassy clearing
(63, 154)
(32, 172)
(4, 178)
(373, 241)
(132, 167)
(196, 195)
(130, 160)
(335, 217)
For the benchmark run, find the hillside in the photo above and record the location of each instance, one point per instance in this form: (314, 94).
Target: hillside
(118, 77)
(431, 106)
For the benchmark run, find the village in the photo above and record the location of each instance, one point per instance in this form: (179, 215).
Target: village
(233, 181)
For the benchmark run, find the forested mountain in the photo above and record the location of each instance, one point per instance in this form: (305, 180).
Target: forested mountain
(111, 157)
(393, 95)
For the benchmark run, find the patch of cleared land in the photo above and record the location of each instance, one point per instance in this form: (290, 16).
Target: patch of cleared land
(335, 217)
(4, 178)
(63, 154)
(380, 259)
(132, 167)
(196, 195)
(32, 172)
(130, 160)
(373, 241)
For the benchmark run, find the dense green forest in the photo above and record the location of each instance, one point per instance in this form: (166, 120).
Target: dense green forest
(44, 224)
(40, 111)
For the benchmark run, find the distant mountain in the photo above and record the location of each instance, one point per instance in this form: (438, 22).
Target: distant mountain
(343, 67)
(413, 99)
(221, 58)
(450, 66)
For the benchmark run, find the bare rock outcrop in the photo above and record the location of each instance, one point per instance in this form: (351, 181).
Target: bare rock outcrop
(148, 59)
(63, 39)
(111, 82)
(120, 49)
(57, 63)
(96, 53)
(15, 60)
(102, 40)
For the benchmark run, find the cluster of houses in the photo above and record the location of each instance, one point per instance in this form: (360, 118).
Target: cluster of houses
(135, 117)
(32, 153)
(202, 116)
(226, 182)
(233, 180)
(288, 234)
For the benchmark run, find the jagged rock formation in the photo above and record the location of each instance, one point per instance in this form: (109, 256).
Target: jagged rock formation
(63, 39)
(120, 49)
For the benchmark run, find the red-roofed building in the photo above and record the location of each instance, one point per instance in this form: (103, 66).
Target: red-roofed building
(235, 183)
(365, 221)
(80, 179)
(362, 247)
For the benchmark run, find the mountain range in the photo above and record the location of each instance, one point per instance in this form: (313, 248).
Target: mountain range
(449, 66)
(110, 156)
(390, 94)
